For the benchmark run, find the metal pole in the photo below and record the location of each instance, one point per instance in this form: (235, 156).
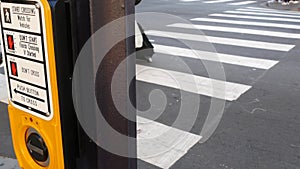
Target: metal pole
(91, 15)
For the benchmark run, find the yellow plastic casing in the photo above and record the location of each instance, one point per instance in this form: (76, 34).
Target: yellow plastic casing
(50, 131)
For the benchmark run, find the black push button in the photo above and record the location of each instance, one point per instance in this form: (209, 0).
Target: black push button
(37, 148)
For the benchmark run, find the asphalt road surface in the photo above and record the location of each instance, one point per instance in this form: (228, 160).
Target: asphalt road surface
(259, 51)
(239, 55)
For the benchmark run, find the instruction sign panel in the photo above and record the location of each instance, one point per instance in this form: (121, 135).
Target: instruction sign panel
(25, 70)
(29, 95)
(24, 46)
(24, 17)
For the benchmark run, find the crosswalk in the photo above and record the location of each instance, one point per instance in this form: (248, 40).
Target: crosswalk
(223, 41)
(241, 30)
(255, 17)
(265, 10)
(242, 3)
(249, 23)
(211, 56)
(229, 2)
(262, 14)
(161, 139)
(217, 1)
(189, 0)
(249, 40)
(203, 86)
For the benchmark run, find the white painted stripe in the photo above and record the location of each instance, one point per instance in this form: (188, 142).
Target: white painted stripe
(238, 30)
(216, 57)
(161, 145)
(3, 89)
(217, 1)
(269, 11)
(189, 0)
(191, 83)
(224, 41)
(242, 3)
(263, 14)
(251, 7)
(236, 22)
(256, 17)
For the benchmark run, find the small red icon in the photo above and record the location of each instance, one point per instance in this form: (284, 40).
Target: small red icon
(10, 42)
(13, 67)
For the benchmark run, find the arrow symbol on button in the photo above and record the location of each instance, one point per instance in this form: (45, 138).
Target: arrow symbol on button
(35, 148)
(22, 93)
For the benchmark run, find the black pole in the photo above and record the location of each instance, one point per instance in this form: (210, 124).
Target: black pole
(90, 16)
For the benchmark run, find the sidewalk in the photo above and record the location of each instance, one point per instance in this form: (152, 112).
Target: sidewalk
(277, 5)
(3, 89)
(5, 136)
(8, 163)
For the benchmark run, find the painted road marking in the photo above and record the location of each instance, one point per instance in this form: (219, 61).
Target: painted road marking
(162, 145)
(190, 0)
(263, 14)
(236, 22)
(191, 83)
(256, 17)
(269, 11)
(217, 1)
(224, 41)
(216, 57)
(242, 3)
(237, 30)
(273, 10)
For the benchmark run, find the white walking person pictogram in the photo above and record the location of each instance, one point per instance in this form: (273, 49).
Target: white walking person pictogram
(7, 15)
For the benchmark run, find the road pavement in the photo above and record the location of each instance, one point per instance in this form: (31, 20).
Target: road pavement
(258, 49)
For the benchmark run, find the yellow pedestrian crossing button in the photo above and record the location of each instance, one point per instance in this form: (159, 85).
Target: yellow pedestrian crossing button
(41, 42)
(30, 66)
